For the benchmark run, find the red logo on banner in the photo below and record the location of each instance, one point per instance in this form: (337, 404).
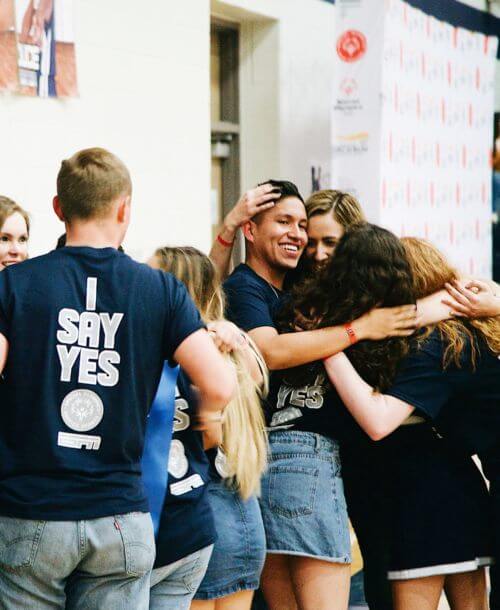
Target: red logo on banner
(351, 46)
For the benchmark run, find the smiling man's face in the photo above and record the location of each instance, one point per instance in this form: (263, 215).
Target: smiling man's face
(280, 234)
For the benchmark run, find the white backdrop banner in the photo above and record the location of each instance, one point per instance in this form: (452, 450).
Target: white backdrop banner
(356, 100)
(415, 146)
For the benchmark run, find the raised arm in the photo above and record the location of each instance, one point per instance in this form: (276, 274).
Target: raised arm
(250, 203)
(293, 349)
(377, 414)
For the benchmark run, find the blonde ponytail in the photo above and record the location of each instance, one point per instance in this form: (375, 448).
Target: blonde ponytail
(244, 438)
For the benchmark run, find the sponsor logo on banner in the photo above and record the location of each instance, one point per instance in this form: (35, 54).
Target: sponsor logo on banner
(348, 86)
(351, 46)
(351, 144)
(348, 102)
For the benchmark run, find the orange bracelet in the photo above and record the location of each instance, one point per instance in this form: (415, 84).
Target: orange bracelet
(225, 243)
(350, 333)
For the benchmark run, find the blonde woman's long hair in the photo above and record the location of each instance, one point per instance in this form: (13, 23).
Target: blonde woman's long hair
(431, 271)
(244, 440)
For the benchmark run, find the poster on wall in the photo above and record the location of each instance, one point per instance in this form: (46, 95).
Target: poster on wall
(44, 63)
(9, 80)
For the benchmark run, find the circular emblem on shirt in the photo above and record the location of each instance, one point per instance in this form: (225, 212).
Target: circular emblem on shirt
(221, 463)
(177, 461)
(351, 46)
(82, 410)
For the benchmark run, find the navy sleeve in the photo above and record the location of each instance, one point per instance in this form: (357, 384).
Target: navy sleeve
(421, 381)
(4, 307)
(182, 320)
(247, 307)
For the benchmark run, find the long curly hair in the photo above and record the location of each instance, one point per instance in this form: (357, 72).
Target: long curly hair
(369, 269)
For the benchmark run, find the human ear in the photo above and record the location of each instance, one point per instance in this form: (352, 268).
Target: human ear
(123, 212)
(56, 204)
(248, 231)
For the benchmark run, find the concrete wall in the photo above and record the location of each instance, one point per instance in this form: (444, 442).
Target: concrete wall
(143, 75)
(285, 86)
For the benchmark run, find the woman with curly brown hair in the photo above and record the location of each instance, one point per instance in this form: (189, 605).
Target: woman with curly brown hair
(438, 509)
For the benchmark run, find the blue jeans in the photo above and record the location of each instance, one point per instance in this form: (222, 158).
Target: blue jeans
(174, 585)
(78, 565)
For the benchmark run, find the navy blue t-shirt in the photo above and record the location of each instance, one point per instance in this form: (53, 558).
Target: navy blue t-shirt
(251, 302)
(186, 523)
(88, 331)
(464, 402)
(313, 406)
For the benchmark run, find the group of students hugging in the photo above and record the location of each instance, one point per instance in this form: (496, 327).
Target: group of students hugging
(340, 372)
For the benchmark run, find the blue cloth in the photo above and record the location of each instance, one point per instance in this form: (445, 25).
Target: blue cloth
(173, 586)
(88, 331)
(302, 502)
(157, 443)
(239, 553)
(99, 563)
(186, 524)
(251, 302)
(464, 401)
(311, 406)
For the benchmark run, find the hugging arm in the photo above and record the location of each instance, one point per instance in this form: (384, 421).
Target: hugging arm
(287, 350)
(377, 414)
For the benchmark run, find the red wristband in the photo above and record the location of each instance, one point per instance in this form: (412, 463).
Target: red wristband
(350, 333)
(225, 243)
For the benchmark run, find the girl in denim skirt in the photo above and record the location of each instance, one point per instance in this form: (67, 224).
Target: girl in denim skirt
(238, 457)
(302, 502)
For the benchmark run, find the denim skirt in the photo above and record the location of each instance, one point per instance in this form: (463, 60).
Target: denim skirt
(302, 503)
(240, 549)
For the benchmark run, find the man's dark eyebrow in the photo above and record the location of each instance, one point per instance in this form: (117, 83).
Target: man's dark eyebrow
(287, 216)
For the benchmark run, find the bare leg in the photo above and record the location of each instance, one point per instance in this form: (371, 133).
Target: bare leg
(467, 591)
(320, 585)
(242, 600)
(236, 601)
(276, 583)
(203, 604)
(418, 593)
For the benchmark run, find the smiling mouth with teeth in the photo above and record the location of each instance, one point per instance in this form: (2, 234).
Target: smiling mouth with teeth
(290, 247)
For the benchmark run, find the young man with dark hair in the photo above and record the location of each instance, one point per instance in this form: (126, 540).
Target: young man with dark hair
(84, 333)
(275, 239)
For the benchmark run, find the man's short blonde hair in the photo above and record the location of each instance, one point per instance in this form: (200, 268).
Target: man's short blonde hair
(89, 182)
